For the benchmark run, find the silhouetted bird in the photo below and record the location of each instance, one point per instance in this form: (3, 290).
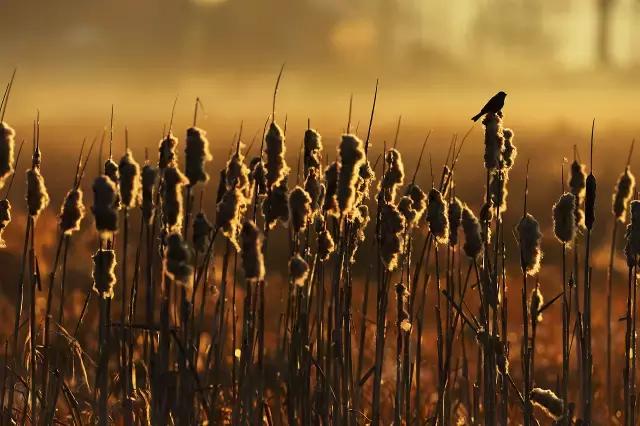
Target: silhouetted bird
(494, 105)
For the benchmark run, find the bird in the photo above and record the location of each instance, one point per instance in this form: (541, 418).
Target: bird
(494, 105)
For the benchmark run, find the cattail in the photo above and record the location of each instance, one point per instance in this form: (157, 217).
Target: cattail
(502, 359)
(437, 216)
(129, 180)
(237, 174)
(275, 151)
(149, 180)
(172, 202)
(201, 232)
(167, 152)
(498, 190)
(197, 154)
(536, 301)
(530, 236)
(548, 402)
(391, 238)
(252, 257)
(564, 221)
(5, 218)
(351, 158)
(509, 152)
(486, 217)
(493, 140)
(276, 205)
(405, 206)
(622, 195)
(330, 204)
(393, 176)
(258, 175)
(299, 209)
(590, 201)
(177, 260)
(326, 245)
(7, 145)
(104, 272)
(360, 219)
(37, 195)
(472, 233)
(577, 180)
(314, 187)
(312, 150)
(104, 207)
(298, 270)
(418, 198)
(72, 212)
(366, 175)
(632, 235)
(112, 171)
(229, 214)
(455, 217)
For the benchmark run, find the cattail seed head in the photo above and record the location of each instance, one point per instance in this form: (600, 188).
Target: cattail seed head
(201, 232)
(258, 176)
(472, 233)
(509, 152)
(352, 156)
(252, 257)
(366, 175)
(299, 209)
(360, 219)
(177, 260)
(72, 212)
(486, 217)
(590, 202)
(418, 199)
(314, 187)
(622, 195)
(129, 180)
(564, 220)
(632, 235)
(312, 150)
(105, 210)
(437, 216)
(275, 151)
(149, 180)
(298, 270)
(112, 171)
(7, 146)
(237, 174)
(276, 206)
(548, 402)
(104, 275)
(530, 236)
(577, 180)
(498, 190)
(455, 218)
(391, 238)
(37, 195)
(167, 152)
(536, 301)
(197, 154)
(330, 205)
(229, 214)
(5, 218)
(393, 176)
(172, 200)
(405, 206)
(326, 245)
(493, 140)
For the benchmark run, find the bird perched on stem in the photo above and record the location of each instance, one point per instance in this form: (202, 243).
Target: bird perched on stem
(494, 105)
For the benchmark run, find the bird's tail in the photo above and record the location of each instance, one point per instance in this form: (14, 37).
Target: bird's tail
(476, 117)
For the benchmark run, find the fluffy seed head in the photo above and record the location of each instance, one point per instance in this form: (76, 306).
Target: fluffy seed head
(5, 218)
(330, 205)
(229, 214)
(577, 180)
(105, 210)
(298, 270)
(391, 238)
(312, 150)
(493, 140)
(167, 152)
(418, 199)
(237, 174)
(149, 180)
(509, 152)
(548, 402)
(564, 220)
(366, 175)
(393, 176)
(455, 217)
(258, 175)
(7, 145)
(352, 156)
(360, 219)
(177, 260)
(405, 206)
(275, 151)
(498, 190)
(530, 236)
(632, 235)
(104, 272)
(299, 209)
(314, 187)
(536, 301)
(72, 212)
(486, 217)
(622, 195)
(326, 245)
(197, 154)
(276, 206)
(112, 171)
(201, 232)
(37, 195)
(472, 233)
(252, 258)
(437, 216)
(129, 181)
(172, 201)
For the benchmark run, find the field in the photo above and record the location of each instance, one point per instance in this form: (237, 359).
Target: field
(271, 275)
